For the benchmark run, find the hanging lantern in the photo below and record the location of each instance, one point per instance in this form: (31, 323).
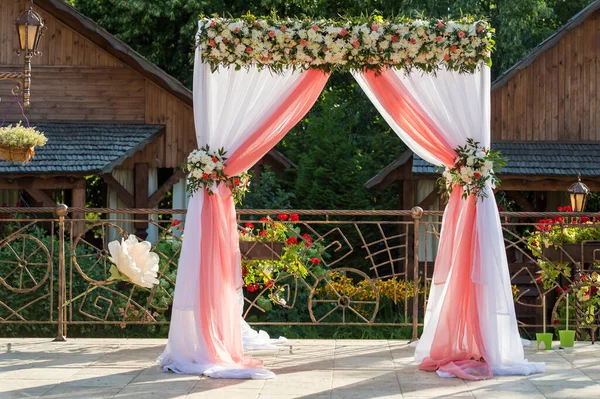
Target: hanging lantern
(578, 194)
(29, 28)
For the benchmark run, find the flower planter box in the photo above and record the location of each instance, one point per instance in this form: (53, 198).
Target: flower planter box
(581, 253)
(16, 154)
(261, 250)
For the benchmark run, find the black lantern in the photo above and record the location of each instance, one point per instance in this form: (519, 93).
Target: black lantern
(29, 28)
(578, 194)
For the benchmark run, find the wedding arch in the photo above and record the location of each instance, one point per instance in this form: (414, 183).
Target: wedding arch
(254, 79)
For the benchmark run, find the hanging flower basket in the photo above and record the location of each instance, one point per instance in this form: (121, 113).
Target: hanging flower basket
(261, 250)
(17, 142)
(588, 252)
(16, 154)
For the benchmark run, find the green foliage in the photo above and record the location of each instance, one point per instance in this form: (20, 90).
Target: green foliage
(339, 146)
(266, 192)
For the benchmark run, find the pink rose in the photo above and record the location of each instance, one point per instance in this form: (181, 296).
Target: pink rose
(461, 34)
(356, 44)
(374, 27)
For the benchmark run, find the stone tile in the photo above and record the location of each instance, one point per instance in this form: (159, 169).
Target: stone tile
(70, 391)
(420, 389)
(41, 373)
(25, 388)
(363, 362)
(224, 394)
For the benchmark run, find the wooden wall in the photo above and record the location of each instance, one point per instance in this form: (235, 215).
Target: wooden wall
(557, 97)
(74, 80)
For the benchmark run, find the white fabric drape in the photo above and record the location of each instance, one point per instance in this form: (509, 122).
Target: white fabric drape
(229, 106)
(459, 107)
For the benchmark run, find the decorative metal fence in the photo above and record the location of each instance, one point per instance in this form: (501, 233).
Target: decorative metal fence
(318, 268)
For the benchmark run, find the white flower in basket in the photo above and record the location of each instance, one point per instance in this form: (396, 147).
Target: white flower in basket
(134, 262)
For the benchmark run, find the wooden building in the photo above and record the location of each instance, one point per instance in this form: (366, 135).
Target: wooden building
(106, 110)
(545, 113)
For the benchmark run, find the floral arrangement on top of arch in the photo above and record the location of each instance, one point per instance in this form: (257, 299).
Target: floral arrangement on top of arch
(348, 45)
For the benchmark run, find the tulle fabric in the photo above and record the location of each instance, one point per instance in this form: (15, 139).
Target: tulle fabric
(470, 327)
(246, 112)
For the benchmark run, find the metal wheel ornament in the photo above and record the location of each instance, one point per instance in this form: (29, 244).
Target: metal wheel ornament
(26, 264)
(344, 292)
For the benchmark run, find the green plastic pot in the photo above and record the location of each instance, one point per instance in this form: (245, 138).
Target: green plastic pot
(544, 341)
(567, 338)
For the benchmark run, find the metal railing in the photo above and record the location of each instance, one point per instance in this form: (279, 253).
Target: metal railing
(355, 268)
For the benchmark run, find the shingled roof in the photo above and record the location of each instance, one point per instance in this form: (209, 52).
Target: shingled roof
(81, 148)
(524, 159)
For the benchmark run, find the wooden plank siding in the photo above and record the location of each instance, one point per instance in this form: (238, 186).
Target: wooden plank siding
(557, 96)
(76, 80)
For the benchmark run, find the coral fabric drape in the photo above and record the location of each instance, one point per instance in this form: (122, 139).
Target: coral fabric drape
(470, 325)
(246, 112)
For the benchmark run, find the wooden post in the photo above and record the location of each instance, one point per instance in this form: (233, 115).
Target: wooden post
(141, 198)
(78, 201)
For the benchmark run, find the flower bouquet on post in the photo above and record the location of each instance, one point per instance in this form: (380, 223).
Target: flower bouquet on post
(206, 168)
(473, 169)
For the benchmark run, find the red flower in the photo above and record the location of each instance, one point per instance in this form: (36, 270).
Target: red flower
(282, 216)
(438, 39)
(574, 221)
(264, 220)
(534, 243)
(236, 30)
(303, 42)
(19, 204)
(213, 24)
(555, 321)
(584, 219)
(225, 40)
(500, 209)
(461, 34)
(294, 217)
(250, 225)
(560, 208)
(440, 24)
(594, 290)
(374, 27)
(248, 49)
(250, 288)
(343, 32)
(244, 271)
(307, 237)
(412, 40)
(356, 44)
(539, 279)
(395, 39)
(446, 57)
(479, 28)
(567, 208)
(315, 261)
(291, 241)
(263, 233)
(212, 43)
(175, 222)
(454, 48)
(477, 175)
(236, 181)
(205, 176)
(271, 34)
(283, 28)
(269, 283)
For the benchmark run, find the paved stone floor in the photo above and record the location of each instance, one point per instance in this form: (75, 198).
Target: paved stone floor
(309, 369)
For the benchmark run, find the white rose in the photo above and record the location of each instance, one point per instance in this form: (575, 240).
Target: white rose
(134, 260)
(480, 154)
(470, 161)
(465, 178)
(489, 165)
